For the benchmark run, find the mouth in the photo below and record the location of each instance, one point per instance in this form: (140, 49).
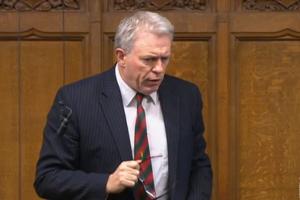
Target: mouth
(154, 81)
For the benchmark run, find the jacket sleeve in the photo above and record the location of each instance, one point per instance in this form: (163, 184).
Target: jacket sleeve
(200, 184)
(58, 174)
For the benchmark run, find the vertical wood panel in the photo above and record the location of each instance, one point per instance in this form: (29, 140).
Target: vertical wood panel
(269, 115)
(190, 61)
(41, 75)
(9, 120)
(193, 60)
(55, 48)
(95, 44)
(74, 66)
(265, 99)
(222, 123)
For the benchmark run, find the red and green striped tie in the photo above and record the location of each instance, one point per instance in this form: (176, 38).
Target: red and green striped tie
(142, 152)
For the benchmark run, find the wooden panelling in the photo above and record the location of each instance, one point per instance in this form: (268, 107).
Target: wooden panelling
(44, 67)
(74, 61)
(39, 5)
(9, 22)
(198, 22)
(190, 61)
(158, 5)
(109, 54)
(267, 149)
(34, 64)
(222, 121)
(263, 22)
(9, 120)
(271, 5)
(244, 58)
(42, 71)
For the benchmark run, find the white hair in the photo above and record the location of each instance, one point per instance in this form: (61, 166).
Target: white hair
(141, 21)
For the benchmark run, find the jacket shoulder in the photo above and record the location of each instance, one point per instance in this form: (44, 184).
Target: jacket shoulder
(176, 84)
(88, 84)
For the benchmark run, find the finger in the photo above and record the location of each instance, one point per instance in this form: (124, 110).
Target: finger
(133, 164)
(130, 167)
(128, 183)
(129, 180)
(133, 172)
(131, 177)
(126, 171)
(139, 161)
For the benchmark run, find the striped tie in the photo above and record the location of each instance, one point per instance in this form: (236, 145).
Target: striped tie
(142, 152)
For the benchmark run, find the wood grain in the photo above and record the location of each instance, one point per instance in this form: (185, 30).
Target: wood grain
(269, 107)
(244, 58)
(9, 120)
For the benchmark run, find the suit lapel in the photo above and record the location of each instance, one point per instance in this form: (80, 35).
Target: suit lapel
(112, 106)
(170, 108)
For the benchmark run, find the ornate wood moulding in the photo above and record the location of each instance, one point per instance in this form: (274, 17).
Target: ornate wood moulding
(271, 5)
(129, 5)
(39, 5)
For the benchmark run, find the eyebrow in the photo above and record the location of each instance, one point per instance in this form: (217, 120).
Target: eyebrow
(154, 57)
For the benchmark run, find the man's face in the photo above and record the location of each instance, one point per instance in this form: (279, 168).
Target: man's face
(144, 67)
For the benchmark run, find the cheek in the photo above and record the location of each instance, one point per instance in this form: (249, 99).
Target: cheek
(144, 74)
(137, 70)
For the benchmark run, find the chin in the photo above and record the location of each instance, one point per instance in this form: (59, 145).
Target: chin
(150, 91)
(147, 92)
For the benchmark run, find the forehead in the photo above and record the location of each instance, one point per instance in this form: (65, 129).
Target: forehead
(146, 40)
(147, 35)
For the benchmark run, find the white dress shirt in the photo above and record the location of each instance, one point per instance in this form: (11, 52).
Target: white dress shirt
(156, 131)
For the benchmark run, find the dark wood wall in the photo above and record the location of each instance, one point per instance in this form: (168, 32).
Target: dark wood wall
(243, 54)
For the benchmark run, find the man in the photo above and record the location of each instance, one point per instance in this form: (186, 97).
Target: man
(131, 132)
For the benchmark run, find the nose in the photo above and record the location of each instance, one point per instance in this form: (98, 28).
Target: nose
(159, 66)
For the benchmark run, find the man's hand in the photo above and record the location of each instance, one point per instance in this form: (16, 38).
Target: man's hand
(126, 175)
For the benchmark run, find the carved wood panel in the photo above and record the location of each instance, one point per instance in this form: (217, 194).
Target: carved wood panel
(129, 5)
(39, 5)
(271, 5)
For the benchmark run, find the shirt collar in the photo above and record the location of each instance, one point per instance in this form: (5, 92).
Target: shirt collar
(128, 93)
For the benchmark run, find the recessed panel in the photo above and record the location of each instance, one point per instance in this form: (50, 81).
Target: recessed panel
(189, 61)
(269, 116)
(45, 66)
(75, 68)
(9, 120)
(42, 72)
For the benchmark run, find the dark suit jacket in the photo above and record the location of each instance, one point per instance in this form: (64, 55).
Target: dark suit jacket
(86, 138)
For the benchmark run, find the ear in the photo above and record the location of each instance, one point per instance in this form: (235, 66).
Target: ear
(120, 55)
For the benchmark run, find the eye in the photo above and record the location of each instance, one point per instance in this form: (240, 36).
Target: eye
(164, 59)
(149, 60)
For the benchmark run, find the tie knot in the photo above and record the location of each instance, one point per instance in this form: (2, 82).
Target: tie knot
(139, 97)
